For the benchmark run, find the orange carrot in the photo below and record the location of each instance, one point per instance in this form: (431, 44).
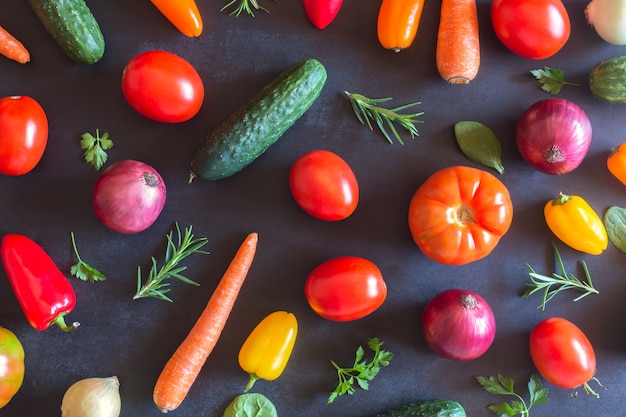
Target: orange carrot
(12, 48)
(458, 48)
(182, 369)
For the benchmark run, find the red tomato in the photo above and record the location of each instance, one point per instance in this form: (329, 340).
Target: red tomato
(324, 185)
(23, 134)
(534, 29)
(163, 87)
(562, 353)
(345, 289)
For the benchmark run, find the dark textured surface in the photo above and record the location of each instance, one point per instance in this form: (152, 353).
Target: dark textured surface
(235, 58)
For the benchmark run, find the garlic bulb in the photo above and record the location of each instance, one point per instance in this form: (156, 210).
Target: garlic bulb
(92, 397)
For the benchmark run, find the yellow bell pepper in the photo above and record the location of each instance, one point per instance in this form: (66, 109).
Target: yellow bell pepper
(573, 221)
(267, 349)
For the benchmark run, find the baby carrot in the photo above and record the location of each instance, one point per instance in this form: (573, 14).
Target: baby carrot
(458, 48)
(185, 364)
(11, 48)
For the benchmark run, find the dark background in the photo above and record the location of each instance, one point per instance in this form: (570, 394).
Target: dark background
(235, 58)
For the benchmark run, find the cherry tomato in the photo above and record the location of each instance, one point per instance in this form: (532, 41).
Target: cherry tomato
(459, 214)
(162, 86)
(324, 185)
(534, 29)
(562, 353)
(345, 289)
(11, 365)
(23, 134)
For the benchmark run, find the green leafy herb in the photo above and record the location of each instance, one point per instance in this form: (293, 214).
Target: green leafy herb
(95, 148)
(251, 405)
(244, 5)
(367, 109)
(615, 224)
(156, 284)
(551, 79)
(83, 270)
(361, 371)
(503, 385)
(555, 283)
(479, 144)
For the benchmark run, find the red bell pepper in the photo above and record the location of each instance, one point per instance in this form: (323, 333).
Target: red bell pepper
(42, 290)
(321, 12)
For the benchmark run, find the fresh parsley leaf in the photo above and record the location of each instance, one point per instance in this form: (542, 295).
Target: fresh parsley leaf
(95, 148)
(551, 79)
(83, 270)
(504, 385)
(361, 371)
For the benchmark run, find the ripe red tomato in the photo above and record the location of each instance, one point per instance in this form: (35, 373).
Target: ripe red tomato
(324, 185)
(562, 353)
(162, 86)
(459, 214)
(534, 29)
(345, 289)
(23, 134)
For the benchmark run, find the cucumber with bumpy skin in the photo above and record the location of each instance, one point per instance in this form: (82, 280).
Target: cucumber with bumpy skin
(73, 27)
(432, 408)
(607, 80)
(243, 136)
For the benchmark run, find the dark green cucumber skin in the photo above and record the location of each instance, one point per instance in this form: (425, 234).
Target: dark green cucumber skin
(607, 80)
(432, 408)
(73, 27)
(247, 133)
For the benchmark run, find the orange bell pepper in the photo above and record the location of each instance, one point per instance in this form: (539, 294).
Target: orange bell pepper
(616, 162)
(183, 14)
(398, 21)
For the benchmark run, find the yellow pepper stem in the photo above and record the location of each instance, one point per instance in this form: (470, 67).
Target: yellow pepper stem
(561, 199)
(251, 381)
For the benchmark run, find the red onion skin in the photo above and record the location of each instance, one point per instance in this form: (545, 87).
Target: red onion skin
(458, 324)
(553, 126)
(129, 196)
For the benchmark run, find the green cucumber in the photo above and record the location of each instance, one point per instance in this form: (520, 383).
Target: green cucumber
(607, 80)
(73, 27)
(247, 133)
(432, 408)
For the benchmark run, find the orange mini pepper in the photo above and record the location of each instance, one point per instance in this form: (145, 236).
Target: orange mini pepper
(398, 21)
(616, 162)
(183, 14)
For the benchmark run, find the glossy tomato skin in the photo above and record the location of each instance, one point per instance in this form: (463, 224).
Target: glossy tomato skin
(162, 86)
(23, 134)
(459, 214)
(562, 353)
(12, 365)
(324, 185)
(345, 288)
(533, 29)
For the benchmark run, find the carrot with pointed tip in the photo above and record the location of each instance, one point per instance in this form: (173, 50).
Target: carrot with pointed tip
(458, 47)
(11, 48)
(183, 367)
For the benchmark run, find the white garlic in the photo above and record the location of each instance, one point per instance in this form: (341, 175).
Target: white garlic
(92, 397)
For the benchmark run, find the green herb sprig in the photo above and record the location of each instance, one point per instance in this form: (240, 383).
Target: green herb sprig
(503, 385)
(83, 270)
(368, 109)
(553, 284)
(95, 148)
(361, 371)
(244, 5)
(157, 284)
(551, 80)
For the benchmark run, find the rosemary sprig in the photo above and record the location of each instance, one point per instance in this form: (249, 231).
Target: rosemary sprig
(367, 109)
(244, 5)
(555, 283)
(156, 284)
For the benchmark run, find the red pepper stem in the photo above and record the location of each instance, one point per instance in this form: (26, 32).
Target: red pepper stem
(561, 199)
(251, 381)
(60, 322)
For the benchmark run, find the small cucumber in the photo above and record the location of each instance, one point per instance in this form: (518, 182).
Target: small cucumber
(432, 408)
(73, 27)
(607, 80)
(243, 136)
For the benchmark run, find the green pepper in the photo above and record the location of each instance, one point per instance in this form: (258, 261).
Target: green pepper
(11, 365)
(267, 349)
